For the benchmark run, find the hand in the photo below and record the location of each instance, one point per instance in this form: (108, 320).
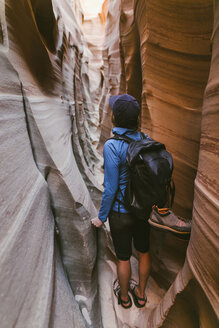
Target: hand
(97, 222)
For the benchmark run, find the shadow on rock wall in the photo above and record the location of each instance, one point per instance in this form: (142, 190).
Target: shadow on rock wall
(173, 42)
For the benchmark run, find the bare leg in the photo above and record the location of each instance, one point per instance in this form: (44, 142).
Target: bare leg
(124, 274)
(144, 265)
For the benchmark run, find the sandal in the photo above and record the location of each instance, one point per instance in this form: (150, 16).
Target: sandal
(116, 289)
(124, 303)
(132, 286)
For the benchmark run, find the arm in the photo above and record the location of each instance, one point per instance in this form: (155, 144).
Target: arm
(111, 182)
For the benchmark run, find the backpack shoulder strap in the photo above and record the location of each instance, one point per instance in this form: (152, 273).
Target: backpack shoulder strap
(121, 137)
(128, 140)
(143, 135)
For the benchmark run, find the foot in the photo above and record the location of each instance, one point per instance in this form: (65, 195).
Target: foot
(138, 297)
(126, 302)
(165, 219)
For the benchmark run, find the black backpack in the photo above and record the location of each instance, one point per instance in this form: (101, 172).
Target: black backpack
(150, 171)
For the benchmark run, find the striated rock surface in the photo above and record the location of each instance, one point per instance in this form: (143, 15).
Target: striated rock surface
(202, 252)
(35, 291)
(93, 28)
(47, 172)
(112, 67)
(165, 62)
(130, 51)
(175, 60)
(174, 45)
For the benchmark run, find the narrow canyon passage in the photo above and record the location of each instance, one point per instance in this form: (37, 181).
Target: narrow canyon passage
(60, 61)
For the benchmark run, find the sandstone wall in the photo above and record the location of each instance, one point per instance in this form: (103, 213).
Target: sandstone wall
(173, 39)
(34, 287)
(93, 28)
(202, 251)
(175, 61)
(112, 67)
(47, 171)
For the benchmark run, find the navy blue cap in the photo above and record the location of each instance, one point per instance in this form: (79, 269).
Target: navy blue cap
(125, 108)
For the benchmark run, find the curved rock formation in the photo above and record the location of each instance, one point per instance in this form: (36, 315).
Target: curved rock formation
(130, 51)
(49, 141)
(174, 75)
(34, 286)
(174, 46)
(202, 251)
(112, 67)
(175, 60)
(93, 28)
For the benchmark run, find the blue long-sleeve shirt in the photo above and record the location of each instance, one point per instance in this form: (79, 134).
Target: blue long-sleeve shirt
(115, 172)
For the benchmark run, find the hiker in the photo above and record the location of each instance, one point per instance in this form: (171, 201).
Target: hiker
(123, 226)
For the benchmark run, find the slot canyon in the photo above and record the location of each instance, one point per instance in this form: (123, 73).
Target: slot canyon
(60, 61)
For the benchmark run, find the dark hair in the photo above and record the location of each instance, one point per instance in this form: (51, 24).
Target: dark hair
(132, 124)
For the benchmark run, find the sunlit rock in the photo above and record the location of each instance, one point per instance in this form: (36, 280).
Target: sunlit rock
(175, 61)
(93, 27)
(34, 287)
(112, 67)
(130, 51)
(53, 149)
(202, 251)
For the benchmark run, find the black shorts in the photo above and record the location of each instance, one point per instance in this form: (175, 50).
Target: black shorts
(124, 228)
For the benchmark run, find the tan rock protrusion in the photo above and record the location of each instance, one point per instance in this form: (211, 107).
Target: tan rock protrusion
(49, 63)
